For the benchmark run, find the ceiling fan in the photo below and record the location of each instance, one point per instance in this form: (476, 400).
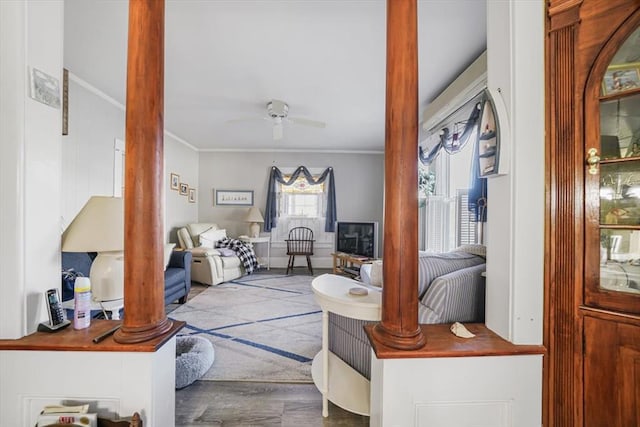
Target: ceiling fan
(278, 113)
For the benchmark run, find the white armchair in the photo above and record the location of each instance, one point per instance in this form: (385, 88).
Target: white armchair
(208, 266)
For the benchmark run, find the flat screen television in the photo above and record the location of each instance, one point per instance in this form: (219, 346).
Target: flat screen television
(357, 238)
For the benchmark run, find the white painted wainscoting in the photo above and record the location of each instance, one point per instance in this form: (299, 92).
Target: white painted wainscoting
(113, 382)
(488, 391)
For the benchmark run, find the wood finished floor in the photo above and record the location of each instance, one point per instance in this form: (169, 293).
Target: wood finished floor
(256, 404)
(249, 404)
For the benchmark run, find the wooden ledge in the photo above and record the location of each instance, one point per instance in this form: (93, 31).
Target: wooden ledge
(442, 343)
(70, 339)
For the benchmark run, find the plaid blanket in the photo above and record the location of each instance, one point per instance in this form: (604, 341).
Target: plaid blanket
(243, 251)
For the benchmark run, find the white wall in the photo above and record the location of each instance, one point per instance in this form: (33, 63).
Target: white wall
(95, 121)
(515, 226)
(87, 150)
(31, 34)
(496, 391)
(180, 159)
(124, 383)
(359, 188)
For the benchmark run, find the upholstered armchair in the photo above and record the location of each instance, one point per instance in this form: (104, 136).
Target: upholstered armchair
(209, 265)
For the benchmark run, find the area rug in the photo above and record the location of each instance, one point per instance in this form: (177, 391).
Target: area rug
(264, 327)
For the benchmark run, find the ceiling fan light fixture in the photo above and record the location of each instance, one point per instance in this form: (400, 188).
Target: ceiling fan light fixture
(277, 109)
(278, 113)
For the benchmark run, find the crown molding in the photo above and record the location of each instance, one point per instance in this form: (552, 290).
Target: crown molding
(100, 94)
(560, 6)
(563, 13)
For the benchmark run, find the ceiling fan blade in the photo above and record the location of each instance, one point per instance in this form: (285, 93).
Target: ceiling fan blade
(307, 122)
(277, 131)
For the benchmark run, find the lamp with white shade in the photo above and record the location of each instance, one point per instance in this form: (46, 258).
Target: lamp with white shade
(99, 227)
(255, 218)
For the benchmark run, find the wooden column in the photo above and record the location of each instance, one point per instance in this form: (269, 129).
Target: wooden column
(562, 334)
(399, 326)
(144, 278)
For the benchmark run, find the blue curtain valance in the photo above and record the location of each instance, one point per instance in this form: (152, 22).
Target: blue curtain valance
(453, 141)
(271, 211)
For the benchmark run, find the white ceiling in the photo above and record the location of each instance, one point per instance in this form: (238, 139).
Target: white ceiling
(226, 59)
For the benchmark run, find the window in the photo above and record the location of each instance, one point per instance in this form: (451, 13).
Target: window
(445, 218)
(302, 205)
(302, 199)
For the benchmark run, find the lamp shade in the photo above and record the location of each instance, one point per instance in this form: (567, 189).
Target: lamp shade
(98, 227)
(254, 215)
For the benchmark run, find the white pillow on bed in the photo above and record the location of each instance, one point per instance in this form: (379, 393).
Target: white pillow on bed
(209, 238)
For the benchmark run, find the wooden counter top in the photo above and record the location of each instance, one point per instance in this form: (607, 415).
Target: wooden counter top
(69, 339)
(442, 343)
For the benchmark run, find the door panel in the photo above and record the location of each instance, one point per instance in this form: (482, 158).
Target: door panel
(611, 373)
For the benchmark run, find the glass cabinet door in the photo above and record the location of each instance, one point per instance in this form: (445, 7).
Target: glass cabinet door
(615, 172)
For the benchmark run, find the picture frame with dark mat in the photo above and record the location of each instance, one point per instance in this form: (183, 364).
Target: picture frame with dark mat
(184, 189)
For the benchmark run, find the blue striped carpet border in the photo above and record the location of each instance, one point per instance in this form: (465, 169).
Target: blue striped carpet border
(264, 347)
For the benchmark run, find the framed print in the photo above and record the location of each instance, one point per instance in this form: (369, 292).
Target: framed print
(44, 88)
(184, 189)
(175, 181)
(192, 195)
(234, 197)
(620, 79)
(65, 101)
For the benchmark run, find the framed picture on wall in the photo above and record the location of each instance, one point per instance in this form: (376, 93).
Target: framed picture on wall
(192, 195)
(175, 181)
(184, 189)
(234, 197)
(620, 79)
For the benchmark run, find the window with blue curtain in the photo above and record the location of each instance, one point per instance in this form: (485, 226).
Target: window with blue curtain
(299, 205)
(448, 158)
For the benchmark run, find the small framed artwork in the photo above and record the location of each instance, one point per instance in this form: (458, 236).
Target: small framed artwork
(192, 195)
(65, 101)
(234, 197)
(184, 189)
(175, 181)
(44, 88)
(620, 79)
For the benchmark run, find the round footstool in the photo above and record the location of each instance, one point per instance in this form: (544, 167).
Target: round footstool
(194, 357)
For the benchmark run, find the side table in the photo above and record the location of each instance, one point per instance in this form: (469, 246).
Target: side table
(336, 380)
(112, 307)
(348, 264)
(262, 239)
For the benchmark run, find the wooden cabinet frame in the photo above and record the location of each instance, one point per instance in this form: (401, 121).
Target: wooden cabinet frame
(577, 30)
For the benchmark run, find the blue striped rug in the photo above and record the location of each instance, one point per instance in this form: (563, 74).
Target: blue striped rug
(264, 327)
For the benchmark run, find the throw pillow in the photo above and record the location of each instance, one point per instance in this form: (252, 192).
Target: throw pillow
(376, 273)
(209, 238)
(168, 248)
(226, 252)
